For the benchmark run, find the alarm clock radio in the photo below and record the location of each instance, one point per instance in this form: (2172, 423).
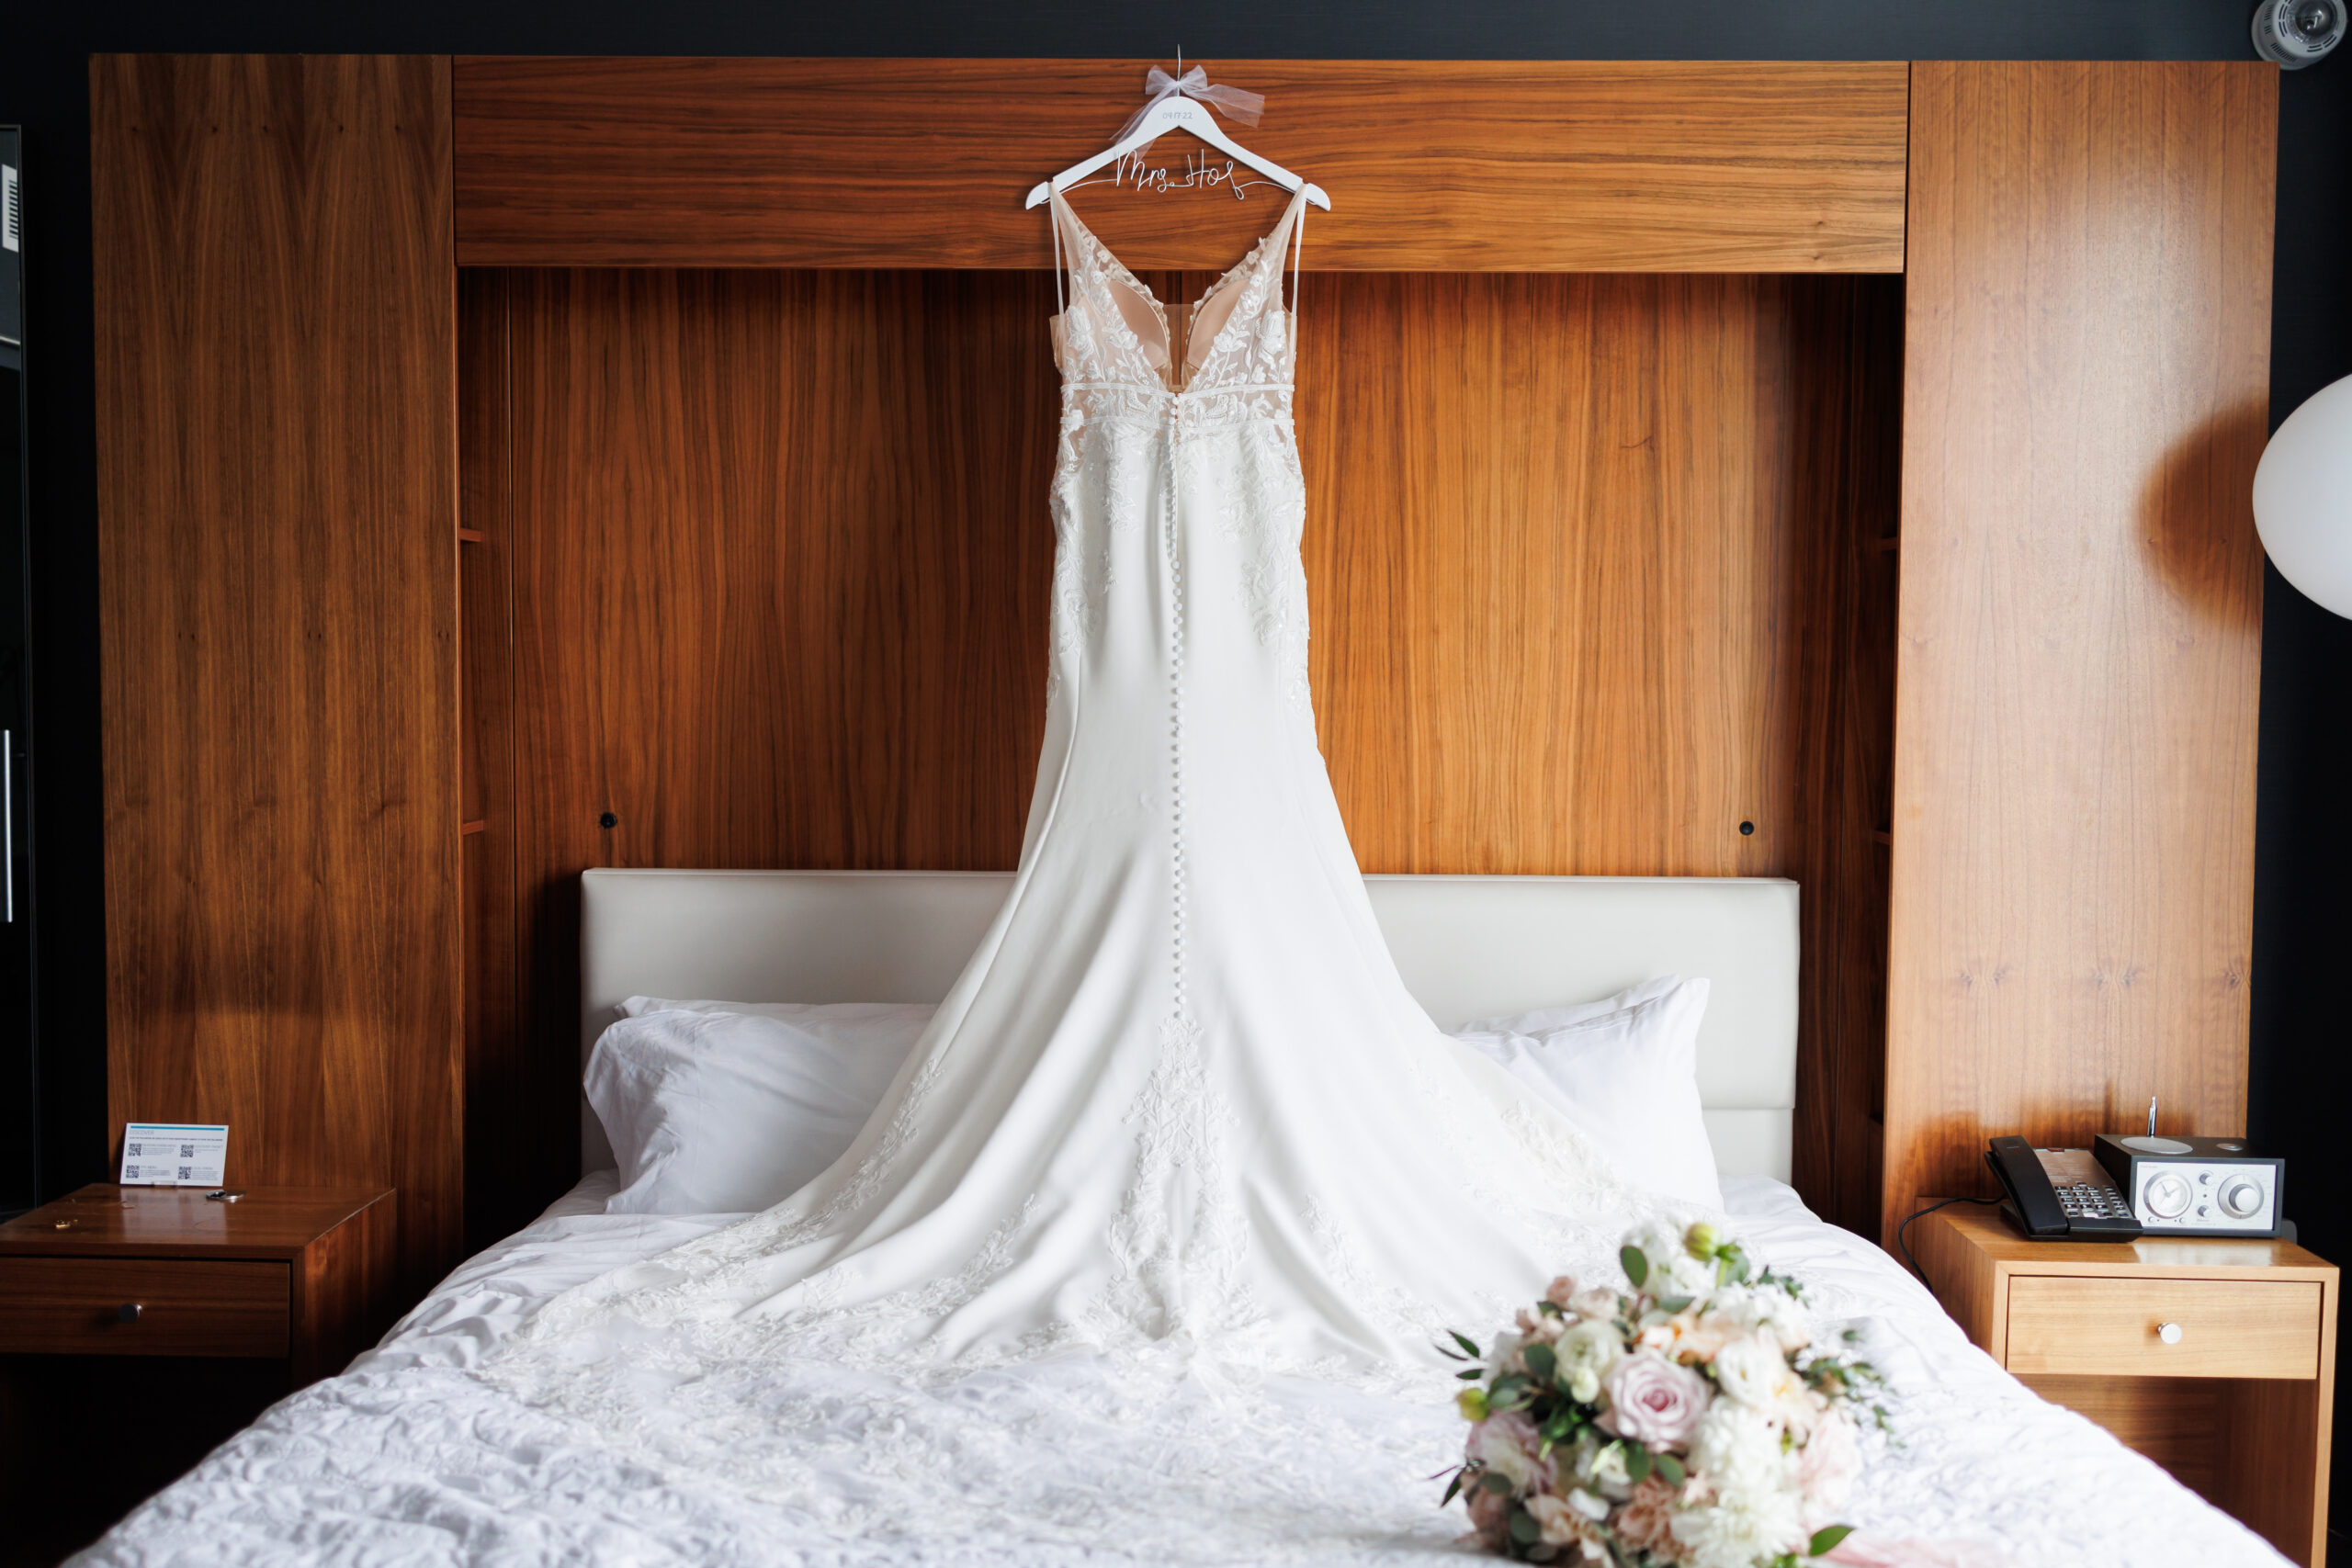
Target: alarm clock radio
(2195, 1186)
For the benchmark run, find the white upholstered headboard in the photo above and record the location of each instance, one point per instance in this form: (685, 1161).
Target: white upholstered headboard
(1468, 947)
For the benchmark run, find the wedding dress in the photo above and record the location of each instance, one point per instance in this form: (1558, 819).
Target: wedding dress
(1179, 1118)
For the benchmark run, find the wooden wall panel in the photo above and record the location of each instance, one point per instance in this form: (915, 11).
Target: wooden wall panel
(1554, 561)
(276, 503)
(781, 567)
(2084, 403)
(1431, 165)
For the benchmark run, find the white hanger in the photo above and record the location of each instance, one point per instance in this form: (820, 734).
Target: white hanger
(1177, 112)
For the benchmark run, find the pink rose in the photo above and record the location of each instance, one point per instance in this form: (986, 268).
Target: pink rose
(1654, 1400)
(1561, 1292)
(1508, 1446)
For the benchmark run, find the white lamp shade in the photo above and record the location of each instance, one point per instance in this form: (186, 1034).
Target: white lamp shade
(2302, 498)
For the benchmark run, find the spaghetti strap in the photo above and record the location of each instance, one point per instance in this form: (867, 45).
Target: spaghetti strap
(1054, 218)
(1298, 256)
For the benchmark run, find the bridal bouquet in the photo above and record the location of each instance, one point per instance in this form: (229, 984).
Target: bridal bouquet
(1688, 1423)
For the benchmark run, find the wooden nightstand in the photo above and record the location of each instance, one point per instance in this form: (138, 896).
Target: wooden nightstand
(118, 1303)
(295, 1274)
(2215, 1359)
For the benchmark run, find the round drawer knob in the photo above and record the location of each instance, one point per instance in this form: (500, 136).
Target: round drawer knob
(128, 1312)
(2169, 1333)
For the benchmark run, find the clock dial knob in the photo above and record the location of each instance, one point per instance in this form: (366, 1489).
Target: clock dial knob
(2167, 1196)
(2242, 1198)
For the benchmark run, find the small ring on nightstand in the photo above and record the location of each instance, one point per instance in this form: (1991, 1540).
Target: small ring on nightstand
(225, 1195)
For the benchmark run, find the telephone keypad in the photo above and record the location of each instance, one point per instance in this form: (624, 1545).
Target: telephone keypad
(2082, 1200)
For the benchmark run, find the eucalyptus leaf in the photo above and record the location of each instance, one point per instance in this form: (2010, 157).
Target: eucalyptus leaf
(1523, 1527)
(1671, 1470)
(1637, 1462)
(1469, 1345)
(1493, 1483)
(1673, 1305)
(1636, 1267)
(1541, 1361)
(1827, 1540)
(1471, 1374)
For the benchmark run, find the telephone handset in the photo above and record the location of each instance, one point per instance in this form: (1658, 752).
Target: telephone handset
(2060, 1194)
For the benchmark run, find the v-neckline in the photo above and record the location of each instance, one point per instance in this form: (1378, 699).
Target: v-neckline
(1161, 306)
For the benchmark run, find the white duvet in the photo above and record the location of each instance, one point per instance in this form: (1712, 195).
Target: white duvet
(406, 1458)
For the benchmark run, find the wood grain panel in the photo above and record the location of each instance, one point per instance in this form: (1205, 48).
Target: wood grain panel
(781, 562)
(1552, 555)
(344, 1292)
(276, 500)
(2230, 1328)
(781, 565)
(2084, 403)
(103, 1220)
(1522, 166)
(71, 1307)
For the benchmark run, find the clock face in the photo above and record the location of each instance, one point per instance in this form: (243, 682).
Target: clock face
(2167, 1196)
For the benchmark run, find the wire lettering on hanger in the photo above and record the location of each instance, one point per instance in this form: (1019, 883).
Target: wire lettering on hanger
(1199, 173)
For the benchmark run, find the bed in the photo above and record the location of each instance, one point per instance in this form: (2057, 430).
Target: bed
(407, 1457)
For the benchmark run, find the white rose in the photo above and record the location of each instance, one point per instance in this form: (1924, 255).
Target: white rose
(1739, 1531)
(1753, 1371)
(1586, 1351)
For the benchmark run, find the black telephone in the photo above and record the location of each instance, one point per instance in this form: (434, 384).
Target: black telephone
(2060, 1194)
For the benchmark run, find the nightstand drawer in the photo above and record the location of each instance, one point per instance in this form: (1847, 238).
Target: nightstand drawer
(185, 1306)
(2112, 1325)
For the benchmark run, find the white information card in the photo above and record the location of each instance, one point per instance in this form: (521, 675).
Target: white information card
(168, 1154)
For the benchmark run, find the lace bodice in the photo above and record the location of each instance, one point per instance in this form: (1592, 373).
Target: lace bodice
(1215, 423)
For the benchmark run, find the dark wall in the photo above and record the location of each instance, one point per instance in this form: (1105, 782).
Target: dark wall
(2303, 919)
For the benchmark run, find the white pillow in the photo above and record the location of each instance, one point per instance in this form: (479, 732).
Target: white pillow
(730, 1107)
(1625, 1070)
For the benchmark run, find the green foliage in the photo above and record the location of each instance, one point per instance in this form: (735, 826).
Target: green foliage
(1636, 1266)
(1825, 1540)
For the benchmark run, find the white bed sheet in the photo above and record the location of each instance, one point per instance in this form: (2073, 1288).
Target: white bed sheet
(405, 1459)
